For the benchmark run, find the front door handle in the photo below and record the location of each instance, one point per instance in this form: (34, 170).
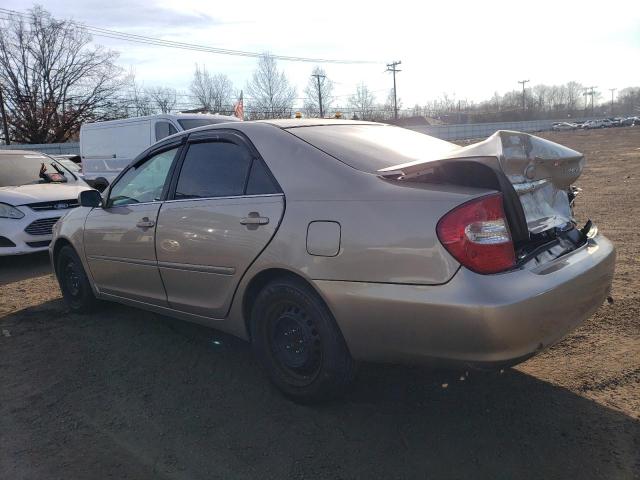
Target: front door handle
(254, 218)
(145, 223)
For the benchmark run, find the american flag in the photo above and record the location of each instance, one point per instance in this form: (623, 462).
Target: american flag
(238, 109)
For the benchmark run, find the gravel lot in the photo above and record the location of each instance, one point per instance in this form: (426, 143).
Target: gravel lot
(129, 394)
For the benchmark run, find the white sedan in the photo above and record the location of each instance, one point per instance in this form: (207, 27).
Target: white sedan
(35, 191)
(562, 126)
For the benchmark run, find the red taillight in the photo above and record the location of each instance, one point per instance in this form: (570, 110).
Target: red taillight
(477, 235)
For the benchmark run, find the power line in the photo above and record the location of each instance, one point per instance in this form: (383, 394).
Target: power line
(392, 67)
(130, 37)
(612, 90)
(318, 77)
(5, 127)
(590, 91)
(523, 82)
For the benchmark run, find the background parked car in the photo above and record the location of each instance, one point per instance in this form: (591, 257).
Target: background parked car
(563, 126)
(592, 124)
(35, 191)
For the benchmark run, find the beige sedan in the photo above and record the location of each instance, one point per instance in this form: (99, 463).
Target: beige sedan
(329, 242)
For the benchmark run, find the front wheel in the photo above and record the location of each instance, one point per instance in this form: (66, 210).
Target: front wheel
(297, 340)
(74, 284)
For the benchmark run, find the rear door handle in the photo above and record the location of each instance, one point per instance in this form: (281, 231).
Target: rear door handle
(254, 218)
(145, 223)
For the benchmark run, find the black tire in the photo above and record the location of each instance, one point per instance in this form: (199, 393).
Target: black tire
(74, 284)
(297, 340)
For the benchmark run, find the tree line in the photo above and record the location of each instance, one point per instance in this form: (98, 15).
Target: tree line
(53, 78)
(569, 100)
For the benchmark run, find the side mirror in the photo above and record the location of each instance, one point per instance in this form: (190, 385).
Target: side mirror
(90, 198)
(100, 184)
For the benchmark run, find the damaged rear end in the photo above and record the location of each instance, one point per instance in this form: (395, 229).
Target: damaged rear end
(532, 274)
(535, 179)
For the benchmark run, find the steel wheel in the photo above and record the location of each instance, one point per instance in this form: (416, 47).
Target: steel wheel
(295, 341)
(74, 284)
(71, 279)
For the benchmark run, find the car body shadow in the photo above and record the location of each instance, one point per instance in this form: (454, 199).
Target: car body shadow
(15, 268)
(134, 395)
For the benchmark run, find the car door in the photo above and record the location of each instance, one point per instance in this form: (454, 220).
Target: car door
(119, 238)
(224, 208)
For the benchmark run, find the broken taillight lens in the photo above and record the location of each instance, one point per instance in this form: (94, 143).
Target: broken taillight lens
(477, 235)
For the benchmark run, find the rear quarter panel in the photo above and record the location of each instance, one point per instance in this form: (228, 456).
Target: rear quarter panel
(388, 228)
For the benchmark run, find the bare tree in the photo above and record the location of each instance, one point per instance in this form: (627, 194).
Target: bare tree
(318, 87)
(53, 78)
(574, 92)
(135, 98)
(213, 92)
(388, 109)
(629, 100)
(163, 98)
(362, 102)
(271, 95)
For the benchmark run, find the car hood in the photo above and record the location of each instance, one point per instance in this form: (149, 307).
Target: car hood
(25, 194)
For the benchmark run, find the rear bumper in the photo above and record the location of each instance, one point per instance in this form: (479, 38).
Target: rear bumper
(482, 320)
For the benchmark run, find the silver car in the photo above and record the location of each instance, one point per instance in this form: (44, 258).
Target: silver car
(325, 243)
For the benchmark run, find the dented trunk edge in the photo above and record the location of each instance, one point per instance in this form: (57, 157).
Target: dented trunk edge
(533, 174)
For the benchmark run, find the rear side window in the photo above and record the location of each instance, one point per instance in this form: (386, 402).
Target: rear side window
(164, 129)
(260, 180)
(215, 169)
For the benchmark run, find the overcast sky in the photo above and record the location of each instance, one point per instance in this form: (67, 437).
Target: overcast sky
(468, 49)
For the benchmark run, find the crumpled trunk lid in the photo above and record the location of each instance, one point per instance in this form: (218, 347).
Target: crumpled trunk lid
(540, 171)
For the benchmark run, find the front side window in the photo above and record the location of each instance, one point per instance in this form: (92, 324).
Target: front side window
(215, 169)
(164, 129)
(143, 183)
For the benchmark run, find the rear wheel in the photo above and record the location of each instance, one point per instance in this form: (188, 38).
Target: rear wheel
(297, 340)
(74, 284)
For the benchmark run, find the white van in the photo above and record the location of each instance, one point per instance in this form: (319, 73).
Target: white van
(107, 147)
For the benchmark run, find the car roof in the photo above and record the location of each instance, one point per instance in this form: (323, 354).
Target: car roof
(313, 122)
(278, 123)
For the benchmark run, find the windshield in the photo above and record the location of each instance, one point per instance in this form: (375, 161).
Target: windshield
(372, 147)
(69, 164)
(24, 169)
(188, 124)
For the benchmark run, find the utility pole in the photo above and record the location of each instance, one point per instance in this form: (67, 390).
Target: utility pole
(591, 91)
(523, 82)
(392, 67)
(5, 127)
(318, 77)
(612, 90)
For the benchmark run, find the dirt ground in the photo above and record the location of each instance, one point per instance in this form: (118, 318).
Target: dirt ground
(129, 394)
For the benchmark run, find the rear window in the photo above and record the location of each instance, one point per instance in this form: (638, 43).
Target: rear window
(372, 147)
